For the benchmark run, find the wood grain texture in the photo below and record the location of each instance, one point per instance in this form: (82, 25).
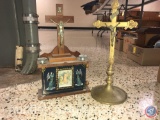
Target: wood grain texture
(57, 19)
(43, 97)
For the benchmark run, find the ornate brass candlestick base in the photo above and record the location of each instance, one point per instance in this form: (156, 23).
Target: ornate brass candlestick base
(111, 95)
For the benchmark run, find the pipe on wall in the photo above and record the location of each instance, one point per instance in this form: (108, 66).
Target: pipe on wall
(32, 48)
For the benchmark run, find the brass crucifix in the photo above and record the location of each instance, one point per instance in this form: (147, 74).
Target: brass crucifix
(109, 94)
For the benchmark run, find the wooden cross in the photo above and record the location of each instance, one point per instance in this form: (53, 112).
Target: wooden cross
(59, 20)
(60, 50)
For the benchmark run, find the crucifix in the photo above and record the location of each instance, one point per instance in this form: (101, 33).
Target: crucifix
(109, 94)
(60, 51)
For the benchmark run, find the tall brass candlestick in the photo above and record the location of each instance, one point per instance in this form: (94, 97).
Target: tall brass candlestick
(109, 94)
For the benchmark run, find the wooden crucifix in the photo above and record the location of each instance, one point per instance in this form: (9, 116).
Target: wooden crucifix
(60, 50)
(110, 94)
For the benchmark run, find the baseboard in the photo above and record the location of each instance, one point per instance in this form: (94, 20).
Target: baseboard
(82, 28)
(78, 28)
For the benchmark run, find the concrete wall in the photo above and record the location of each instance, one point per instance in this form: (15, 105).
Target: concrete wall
(72, 7)
(11, 31)
(8, 33)
(155, 6)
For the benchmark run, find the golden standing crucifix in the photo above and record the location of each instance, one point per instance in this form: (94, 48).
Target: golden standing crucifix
(109, 94)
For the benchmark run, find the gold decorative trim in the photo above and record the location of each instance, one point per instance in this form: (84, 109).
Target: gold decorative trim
(98, 24)
(131, 24)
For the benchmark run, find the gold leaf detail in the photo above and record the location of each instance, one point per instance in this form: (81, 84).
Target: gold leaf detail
(97, 24)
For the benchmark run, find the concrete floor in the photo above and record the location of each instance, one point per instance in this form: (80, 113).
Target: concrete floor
(48, 40)
(19, 92)
(8, 77)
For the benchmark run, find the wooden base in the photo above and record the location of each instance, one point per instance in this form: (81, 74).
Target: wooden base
(61, 55)
(62, 59)
(59, 64)
(55, 51)
(43, 97)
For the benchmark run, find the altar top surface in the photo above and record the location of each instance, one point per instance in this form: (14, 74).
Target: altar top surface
(65, 63)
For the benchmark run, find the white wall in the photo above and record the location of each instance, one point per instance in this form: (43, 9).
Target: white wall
(155, 6)
(72, 8)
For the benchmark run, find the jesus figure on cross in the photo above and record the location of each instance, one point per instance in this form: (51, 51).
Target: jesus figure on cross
(61, 30)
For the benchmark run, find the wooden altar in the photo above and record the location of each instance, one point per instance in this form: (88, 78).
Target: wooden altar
(63, 71)
(63, 78)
